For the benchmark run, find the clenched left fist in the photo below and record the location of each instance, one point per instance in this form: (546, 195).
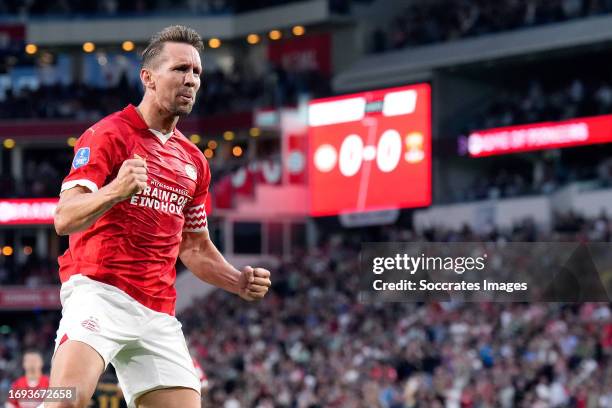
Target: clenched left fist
(254, 283)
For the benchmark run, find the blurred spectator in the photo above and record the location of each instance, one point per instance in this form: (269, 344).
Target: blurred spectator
(433, 21)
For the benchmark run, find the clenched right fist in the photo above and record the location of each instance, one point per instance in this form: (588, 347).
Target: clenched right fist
(131, 178)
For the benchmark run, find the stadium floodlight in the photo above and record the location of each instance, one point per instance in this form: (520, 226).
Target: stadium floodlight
(253, 39)
(8, 143)
(275, 35)
(127, 46)
(237, 151)
(89, 47)
(31, 49)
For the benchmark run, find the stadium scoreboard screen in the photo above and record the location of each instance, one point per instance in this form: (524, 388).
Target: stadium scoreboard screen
(370, 151)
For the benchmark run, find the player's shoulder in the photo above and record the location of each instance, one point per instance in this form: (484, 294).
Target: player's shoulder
(116, 125)
(105, 128)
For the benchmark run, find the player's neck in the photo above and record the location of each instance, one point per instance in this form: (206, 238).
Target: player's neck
(155, 118)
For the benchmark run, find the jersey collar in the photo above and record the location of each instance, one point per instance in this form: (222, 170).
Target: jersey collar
(163, 138)
(133, 116)
(139, 123)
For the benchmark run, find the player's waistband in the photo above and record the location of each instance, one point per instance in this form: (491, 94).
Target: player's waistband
(113, 283)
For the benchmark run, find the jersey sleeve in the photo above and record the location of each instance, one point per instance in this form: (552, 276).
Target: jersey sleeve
(92, 162)
(195, 211)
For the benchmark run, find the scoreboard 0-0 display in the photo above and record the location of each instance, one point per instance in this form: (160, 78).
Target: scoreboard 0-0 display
(370, 151)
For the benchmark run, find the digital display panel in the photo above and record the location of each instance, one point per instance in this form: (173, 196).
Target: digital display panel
(370, 151)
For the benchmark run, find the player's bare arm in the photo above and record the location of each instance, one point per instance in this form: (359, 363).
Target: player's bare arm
(200, 255)
(78, 208)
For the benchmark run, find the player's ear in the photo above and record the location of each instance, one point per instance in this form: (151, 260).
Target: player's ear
(146, 77)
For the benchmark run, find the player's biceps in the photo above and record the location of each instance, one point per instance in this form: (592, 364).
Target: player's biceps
(74, 191)
(187, 248)
(194, 244)
(68, 195)
(201, 238)
(64, 214)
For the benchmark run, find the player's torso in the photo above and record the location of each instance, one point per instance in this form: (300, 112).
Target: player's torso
(143, 233)
(172, 176)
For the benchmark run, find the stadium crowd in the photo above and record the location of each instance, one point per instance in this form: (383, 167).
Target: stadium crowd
(71, 8)
(537, 176)
(535, 101)
(220, 92)
(539, 101)
(32, 271)
(312, 344)
(426, 22)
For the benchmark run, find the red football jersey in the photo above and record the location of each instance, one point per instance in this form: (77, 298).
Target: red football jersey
(21, 385)
(135, 244)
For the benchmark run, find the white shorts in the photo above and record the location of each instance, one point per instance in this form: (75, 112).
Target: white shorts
(147, 348)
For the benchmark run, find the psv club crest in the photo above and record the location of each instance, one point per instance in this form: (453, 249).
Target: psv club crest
(191, 172)
(91, 324)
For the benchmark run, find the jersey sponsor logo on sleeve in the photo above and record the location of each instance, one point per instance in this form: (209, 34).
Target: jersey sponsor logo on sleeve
(81, 157)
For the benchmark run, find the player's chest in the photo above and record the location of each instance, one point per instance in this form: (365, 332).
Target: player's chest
(168, 166)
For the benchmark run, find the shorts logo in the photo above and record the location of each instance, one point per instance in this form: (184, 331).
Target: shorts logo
(191, 172)
(81, 157)
(91, 324)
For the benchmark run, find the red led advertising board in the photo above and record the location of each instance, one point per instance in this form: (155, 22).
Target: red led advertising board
(370, 151)
(541, 136)
(27, 211)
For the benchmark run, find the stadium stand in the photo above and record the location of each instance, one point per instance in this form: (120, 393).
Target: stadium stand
(538, 102)
(221, 93)
(291, 351)
(64, 8)
(427, 22)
